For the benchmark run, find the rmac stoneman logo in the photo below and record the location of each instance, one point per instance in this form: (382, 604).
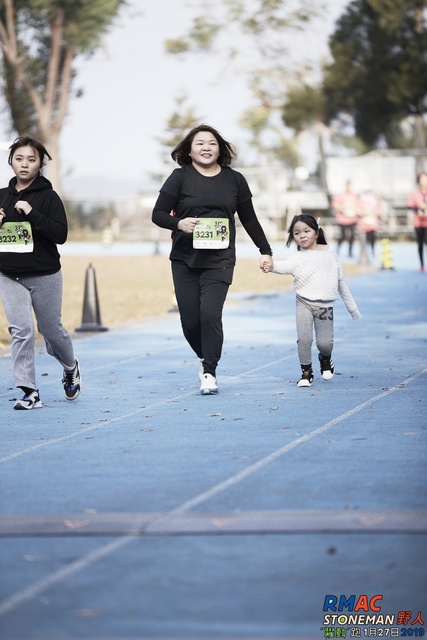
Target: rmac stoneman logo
(366, 612)
(355, 606)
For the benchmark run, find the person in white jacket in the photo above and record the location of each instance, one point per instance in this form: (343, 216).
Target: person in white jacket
(318, 282)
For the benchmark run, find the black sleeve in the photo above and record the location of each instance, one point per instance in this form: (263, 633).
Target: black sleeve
(51, 222)
(161, 215)
(250, 222)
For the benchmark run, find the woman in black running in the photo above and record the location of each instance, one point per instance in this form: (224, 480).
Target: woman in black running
(198, 203)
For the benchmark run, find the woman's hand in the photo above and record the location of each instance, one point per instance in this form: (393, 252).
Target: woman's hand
(266, 263)
(2, 216)
(188, 224)
(22, 206)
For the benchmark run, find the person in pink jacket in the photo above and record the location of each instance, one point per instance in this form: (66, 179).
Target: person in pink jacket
(345, 206)
(417, 202)
(368, 218)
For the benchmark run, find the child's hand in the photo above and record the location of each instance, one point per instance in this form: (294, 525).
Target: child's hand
(266, 264)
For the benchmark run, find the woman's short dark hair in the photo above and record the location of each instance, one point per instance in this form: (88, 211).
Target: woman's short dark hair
(311, 222)
(24, 141)
(181, 153)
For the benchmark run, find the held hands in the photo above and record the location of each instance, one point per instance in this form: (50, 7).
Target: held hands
(266, 263)
(188, 224)
(22, 206)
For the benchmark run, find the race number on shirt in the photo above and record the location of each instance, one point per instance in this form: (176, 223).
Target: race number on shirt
(16, 237)
(211, 233)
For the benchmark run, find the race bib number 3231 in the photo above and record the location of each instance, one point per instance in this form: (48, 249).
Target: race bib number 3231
(212, 233)
(16, 237)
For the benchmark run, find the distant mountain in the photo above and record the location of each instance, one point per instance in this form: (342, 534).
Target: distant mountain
(97, 188)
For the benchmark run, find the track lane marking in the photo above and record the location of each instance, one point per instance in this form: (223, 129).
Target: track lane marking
(39, 586)
(110, 421)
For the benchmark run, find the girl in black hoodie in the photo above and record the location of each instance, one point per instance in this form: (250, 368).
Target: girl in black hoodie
(32, 223)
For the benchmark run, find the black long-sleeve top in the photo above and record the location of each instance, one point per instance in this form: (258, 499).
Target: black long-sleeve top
(48, 227)
(188, 193)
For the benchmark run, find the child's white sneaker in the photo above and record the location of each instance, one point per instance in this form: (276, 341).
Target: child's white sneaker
(326, 367)
(307, 377)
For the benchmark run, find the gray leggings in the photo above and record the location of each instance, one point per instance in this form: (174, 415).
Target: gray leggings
(44, 295)
(321, 316)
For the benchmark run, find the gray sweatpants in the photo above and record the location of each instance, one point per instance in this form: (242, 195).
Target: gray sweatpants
(43, 294)
(321, 317)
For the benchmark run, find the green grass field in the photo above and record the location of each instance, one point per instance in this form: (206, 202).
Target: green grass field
(134, 289)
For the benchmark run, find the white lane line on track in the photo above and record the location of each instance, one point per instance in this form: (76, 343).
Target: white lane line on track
(109, 365)
(110, 421)
(92, 427)
(222, 486)
(13, 601)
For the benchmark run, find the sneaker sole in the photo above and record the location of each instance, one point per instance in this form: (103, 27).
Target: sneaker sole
(304, 383)
(36, 405)
(208, 392)
(327, 375)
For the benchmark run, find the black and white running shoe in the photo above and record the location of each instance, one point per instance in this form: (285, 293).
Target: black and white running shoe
(31, 400)
(326, 367)
(72, 382)
(307, 377)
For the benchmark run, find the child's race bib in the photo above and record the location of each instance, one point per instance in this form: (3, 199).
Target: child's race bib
(16, 237)
(211, 233)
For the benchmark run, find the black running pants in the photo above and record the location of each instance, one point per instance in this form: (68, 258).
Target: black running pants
(200, 295)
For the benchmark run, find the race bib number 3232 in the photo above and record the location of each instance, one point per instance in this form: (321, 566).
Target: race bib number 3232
(16, 237)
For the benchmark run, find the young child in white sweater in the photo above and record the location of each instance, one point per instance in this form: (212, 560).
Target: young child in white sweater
(318, 282)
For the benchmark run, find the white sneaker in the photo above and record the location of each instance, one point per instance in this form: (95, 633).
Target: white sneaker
(29, 401)
(327, 367)
(307, 377)
(208, 385)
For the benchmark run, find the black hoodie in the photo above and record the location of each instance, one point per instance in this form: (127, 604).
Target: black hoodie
(48, 226)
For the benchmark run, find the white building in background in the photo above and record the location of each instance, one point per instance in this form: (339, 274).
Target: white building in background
(391, 174)
(276, 204)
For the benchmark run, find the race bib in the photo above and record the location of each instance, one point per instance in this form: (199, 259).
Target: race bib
(16, 237)
(211, 233)
(369, 219)
(349, 212)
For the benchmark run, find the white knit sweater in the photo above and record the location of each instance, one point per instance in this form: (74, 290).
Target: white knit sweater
(318, 277)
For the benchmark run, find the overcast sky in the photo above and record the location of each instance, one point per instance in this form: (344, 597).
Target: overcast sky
(129, 88)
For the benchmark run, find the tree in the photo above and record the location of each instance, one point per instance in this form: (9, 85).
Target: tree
(181, 120)
(263, 22)
(379, 70)
(263, 55)
(304, 107)
(257, 120)
(40, 41)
